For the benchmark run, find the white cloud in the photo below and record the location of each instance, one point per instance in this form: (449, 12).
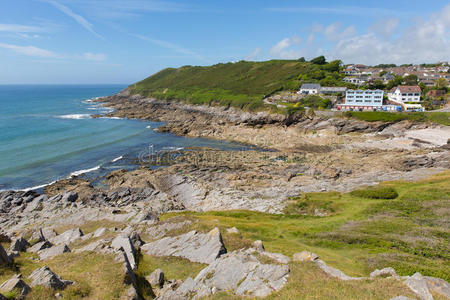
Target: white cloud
(95, 56)
(333, 31)
(30, 50)
(385, 27)
(255, 53)
(281, 49)
(17, 28)
(79, 19)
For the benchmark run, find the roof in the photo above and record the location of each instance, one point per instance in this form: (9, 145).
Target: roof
(333, 88)
(409, 88)
(310, 86)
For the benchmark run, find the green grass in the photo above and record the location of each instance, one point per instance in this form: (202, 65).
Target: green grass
(376, 193)
(442, 118)
(243, 84)
(410, 233)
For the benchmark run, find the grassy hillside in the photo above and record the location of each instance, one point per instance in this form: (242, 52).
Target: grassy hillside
(243, 84)
(442, 118)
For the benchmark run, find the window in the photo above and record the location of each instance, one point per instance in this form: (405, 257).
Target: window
(358, 100)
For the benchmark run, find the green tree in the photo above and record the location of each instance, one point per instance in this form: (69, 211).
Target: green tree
(397, 80)
(441, 83)
(411, 79)
(319, 60)
(378, 84)
(301, 59)
(333, 66)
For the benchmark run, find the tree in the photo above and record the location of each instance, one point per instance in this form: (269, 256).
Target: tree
(382, 73)
(319, 60)
(441, 83)
(301, 59)
(333, 66)
(378, 84)
(397, 80)
(411, 79)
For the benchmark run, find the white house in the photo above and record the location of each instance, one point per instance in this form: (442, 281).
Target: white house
(309, 89)
(362, 100)
(404, 93)
(354, 80)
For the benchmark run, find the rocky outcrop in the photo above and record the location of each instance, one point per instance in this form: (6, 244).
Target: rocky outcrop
(418, 285)
(238, 272)
(67, 237)
(385, 272)
(194, 246)
(156, 278)
(15, 283)
(438, 286)
(45, 277)
(40, 246)
(304, 256)
(124, 244)
(19, 245)
(53, 251)
(333, 272)
(4, 257)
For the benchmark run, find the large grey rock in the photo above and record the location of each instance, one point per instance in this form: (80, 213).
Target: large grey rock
(99, 232)
(385, 272)
(258, 245)
(4, 257)
(145, 216)
(53, 251)
(333, 272)
(100, 246)
(15, 283)
(438, 285)
(239, 272)
(194, 246)
(40, 246)
(67, 237)
(419, 286)
(305, 256)
(156, 278)
(19, 244)
(276, 257)
(69, 197)
(36, 204)
(45, 277)
(43, 234)
(124, 244)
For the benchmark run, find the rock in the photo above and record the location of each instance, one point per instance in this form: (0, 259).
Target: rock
(43, 234)
(53, 251)
(69, 197)
(67, 237)
(156, 278)
(304, 256)
(133, 294)
(45, 277)
(333, 272)
(4, 238)
(19, 244)
(385, 272)
(101, 246)
(40, 246)
(99, 232)
(168, 292)
(277, 257)
(125, 244)
(233, 230)
(15, 283)
(258, 245)
(419, 286)
(238, 272)
(136, 240)
(438, 286)
(4, 257)
(147, 216)
(197, 247)
(36, 204)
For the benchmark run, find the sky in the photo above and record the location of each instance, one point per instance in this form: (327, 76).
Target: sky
(124, 41)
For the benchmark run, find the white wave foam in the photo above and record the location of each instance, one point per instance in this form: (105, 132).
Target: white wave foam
(117, 158)
(76, 173)
(75, 116)
(112, 118)
(37, 187)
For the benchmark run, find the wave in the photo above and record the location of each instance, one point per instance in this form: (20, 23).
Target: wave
(37, 187)
(117, 159)
(77, 173)
(112, 118)
(90, 100)
(75, 116)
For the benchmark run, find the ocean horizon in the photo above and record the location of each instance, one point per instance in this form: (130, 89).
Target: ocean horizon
(47, 134)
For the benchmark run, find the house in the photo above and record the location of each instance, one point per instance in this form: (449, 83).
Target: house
(436, 93)
(406, 96)
(354, 80)
(309, 89)
(362, 100)
(332, 90)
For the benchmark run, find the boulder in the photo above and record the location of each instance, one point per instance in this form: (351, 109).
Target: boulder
(238, 272)
(156, 278)
(67, 237)
(99, 232)
(43, 234)
(304, 256)
(125, 244)
(45, 277)
(258, 245)
(333, 272)
(15, 283)
(194, 246)
(53, 251)
(69, 197)
(19, 244)
(233, 230)
(40, 246)
(36, 204)
(277, 257)
(146, 216)
(418, 285)
(4, 257)
(385, 272)
(438, 286)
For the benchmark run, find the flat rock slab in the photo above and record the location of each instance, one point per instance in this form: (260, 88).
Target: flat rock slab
(239, 272)
(194, 246)
(333, 272)
(15, 283)
(40, 246)
(125, 244)
(67, 237)
(53, 251)
(419, 286)
(438, 285)
(45, 277)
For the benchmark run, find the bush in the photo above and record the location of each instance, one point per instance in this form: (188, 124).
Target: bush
(376, 193)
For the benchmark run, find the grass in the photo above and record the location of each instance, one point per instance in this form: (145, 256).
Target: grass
(409, 233)
(442, 118)
(376, 193)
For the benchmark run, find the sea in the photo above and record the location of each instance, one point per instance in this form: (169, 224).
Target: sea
(47, 133)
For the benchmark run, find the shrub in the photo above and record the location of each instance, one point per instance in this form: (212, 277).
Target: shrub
(376, 193)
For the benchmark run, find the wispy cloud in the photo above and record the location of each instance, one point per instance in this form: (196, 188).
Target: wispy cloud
(172, 46)
(17, 28)
(282, 48)
(78, 18)
(338, 10)
(30, 50)
(255, 53)
(94, 56)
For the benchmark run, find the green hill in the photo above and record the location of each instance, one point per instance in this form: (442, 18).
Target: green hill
(243, 84)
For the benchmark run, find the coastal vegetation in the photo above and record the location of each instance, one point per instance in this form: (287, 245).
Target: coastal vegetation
(442, 118)
(243, 84)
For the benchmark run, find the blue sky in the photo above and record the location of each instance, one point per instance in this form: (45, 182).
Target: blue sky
(112, 41)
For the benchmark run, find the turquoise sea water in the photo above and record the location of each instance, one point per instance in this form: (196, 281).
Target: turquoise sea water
(46, 134)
